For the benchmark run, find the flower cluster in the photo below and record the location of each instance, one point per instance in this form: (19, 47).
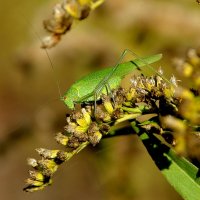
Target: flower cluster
(189, 67)
(63, 16)
(148, 97)
(186, 123)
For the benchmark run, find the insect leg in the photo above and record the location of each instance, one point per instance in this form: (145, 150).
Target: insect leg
(96, 95)
(106, 79)
(109, 92)
(84, 98)
(104, 82)
(147, 65)
(95, 104)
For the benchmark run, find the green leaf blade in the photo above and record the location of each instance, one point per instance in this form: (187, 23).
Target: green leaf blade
(183, 176)
(179, 172)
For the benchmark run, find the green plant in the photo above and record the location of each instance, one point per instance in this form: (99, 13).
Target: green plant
(148, 105)
(164, 114)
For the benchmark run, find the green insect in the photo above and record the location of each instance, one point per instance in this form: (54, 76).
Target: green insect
(90, 87)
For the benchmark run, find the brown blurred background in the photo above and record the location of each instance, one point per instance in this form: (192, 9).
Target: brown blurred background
(31, 112)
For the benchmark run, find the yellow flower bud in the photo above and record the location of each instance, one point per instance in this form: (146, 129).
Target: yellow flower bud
(34, 182)
(187, 69)
(61, 139)
(86, 116)
(73, 8)
(35, 175)
(95, 138)
(50, 154)
(108, 106)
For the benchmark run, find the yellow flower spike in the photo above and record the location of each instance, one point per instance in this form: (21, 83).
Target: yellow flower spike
(107, 104)
(190, 109)
(32, 162)
(195, 61)
(61, 157)
(51, 164)
(107, 118)
(197, 80)
(102, 114)
(74, 142)
(71, 127)
(50, 40)
(95, 4)
(36, 175)
(81, 122)
(31, 188)
(184, 93)
(73, 8)
(35, 185)
(187, 69)
(140, 85)
(61, 139)
(69, 155)
(48, 165)
(81, 129)
(60, 22)
(95, 138)
(34, 182)
(86, 116)
(180, 143)
(148, 86)
(131, 94)
(58, 13)
(159, 81)
(193, 57)
(94, 134)
(68, 119)
(177, 125)
(78, 9)
(46, 153)
(169, 92)
(85, 2)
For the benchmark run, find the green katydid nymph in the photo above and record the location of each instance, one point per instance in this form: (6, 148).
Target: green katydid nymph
(90, 87)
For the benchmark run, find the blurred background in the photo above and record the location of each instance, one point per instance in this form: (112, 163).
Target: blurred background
(31, 112)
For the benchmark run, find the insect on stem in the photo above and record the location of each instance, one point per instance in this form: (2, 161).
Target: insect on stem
(105, 80)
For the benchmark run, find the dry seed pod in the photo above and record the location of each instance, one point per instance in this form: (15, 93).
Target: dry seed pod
(63, 16)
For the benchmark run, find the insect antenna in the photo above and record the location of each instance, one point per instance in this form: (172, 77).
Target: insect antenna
(54, 74)
(50, 61)
(52, 67)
